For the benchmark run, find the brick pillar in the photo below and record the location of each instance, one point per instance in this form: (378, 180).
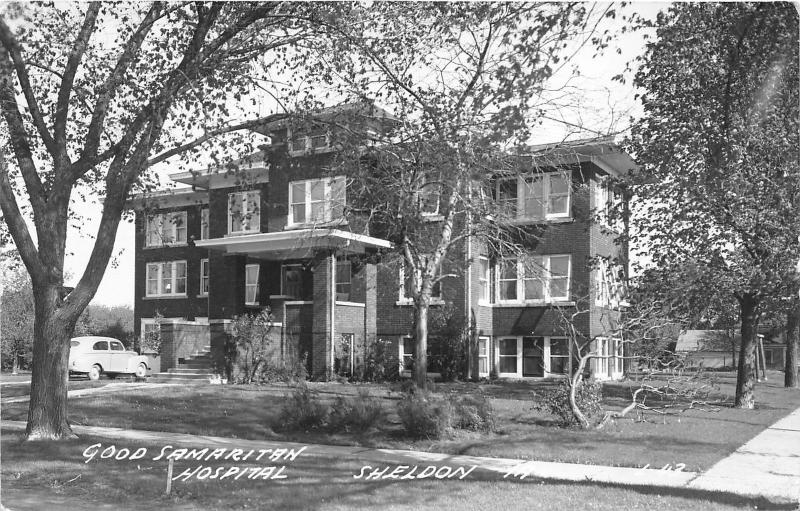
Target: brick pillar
(226, 285)
(321, 352)
(371, 300)
(168, 356)
(220, 344)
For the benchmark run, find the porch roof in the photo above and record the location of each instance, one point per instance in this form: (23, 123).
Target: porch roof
(293, 244)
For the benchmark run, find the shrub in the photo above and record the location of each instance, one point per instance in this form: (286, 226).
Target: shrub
(287, 372)
(474, 413)
(588, 397)
(356, 414)
(424, 416)
(448, 357)
(377, 363)
(302, 410)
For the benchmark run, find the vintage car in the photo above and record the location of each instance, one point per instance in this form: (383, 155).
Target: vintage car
(94, 356)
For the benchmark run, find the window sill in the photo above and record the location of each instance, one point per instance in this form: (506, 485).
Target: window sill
(432, 217)
(166, 245)
(252, 304)
(434, 301)
(165, 297)
(532, 221)
(350, 304)
(299, 302)
(537, 303)
(311, 152)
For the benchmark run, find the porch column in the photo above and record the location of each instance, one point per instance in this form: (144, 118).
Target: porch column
(225, 285)
(323, 314)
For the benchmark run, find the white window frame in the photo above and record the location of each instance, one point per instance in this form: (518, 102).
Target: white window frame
(204, 224)
(428, 190)
(251, 216)
(344, 263)
(547, 195)
(159, 265)
(607, 348)
(402, 299)
(145, 322)
(549, 355)
(543, 261)
(403, 354)
(547, 370)
(251, 285)
(205, 275)
(484, 280)
(604, 200)
(328, 201)
(307, 144)
(484, 355)
(517, 356)
(609, 290)
(155, 228)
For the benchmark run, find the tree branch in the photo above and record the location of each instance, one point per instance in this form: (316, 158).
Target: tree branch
(68, 79)
(12, 50)
(16, 224)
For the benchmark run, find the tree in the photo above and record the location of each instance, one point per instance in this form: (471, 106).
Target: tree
(718, 151)
(463, 81)
(16, 313)
(91, 95)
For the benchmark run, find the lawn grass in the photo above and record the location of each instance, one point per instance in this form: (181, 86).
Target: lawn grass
(697, 439)
(24, 388)
(45, 475)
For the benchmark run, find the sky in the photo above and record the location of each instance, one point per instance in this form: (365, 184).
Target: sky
(605, 106)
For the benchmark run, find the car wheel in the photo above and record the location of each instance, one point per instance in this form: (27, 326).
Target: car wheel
(95, 372)
(141, 370)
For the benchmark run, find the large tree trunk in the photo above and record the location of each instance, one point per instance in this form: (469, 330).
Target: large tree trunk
(792, 340)
(421, 344)
(746, 376)
(47, 411)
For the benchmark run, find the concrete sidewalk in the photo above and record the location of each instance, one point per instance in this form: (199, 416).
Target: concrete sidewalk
(488, 468)
(111, 387)
(767, 466)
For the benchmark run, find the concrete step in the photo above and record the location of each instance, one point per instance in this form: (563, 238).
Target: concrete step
(188, 370)
(195, 365)
(182, 376)
(175, 379)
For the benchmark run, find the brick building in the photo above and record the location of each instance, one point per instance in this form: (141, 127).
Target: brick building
(275, 235)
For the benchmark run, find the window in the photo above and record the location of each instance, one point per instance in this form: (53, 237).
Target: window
(316, 200)
(483, 356)
(607, 201)
(251, 284)
(535, 197)
(483, 279)
(507, 280)
(167, 278)
(407, 354)
(507, 356)
(343, 275)
(534, 279)
(316, 140)
(150, 328)
(166, 229)
(295, 282)
(609, 284)
(244, 212)
(559, 356)
(117, 346)
(429, 194)
(100, 346)
(407, 285)
(204, 224)
(203, 276)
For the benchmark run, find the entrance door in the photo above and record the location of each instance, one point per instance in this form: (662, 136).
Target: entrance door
(533, 356)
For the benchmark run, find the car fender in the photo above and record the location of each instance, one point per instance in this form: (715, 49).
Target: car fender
(134, 362)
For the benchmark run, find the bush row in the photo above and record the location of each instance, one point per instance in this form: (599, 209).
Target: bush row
(422, 414)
